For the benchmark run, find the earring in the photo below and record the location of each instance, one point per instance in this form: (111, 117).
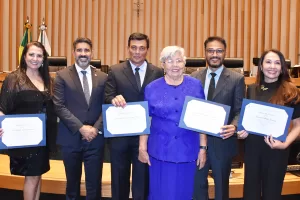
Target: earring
(42, 65)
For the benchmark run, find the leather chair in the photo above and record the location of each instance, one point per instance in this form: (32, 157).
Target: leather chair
(96, 63)
(57, 63)
(195, 62)
(234, 62)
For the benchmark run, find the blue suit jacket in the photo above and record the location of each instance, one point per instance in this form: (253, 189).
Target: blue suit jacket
(72, 108)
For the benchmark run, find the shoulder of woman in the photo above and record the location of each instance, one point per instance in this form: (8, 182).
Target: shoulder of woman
(155, 82)
(12, 76)
(191, 79)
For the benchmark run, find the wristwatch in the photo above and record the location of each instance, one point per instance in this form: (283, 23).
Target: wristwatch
(235, 132)
(204, 147)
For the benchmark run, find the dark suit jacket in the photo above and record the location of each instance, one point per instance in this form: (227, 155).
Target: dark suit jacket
(72, 108)
(121, 81)
(230, 91)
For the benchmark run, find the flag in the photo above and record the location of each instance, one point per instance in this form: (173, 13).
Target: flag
(26, 38)
(44, 39)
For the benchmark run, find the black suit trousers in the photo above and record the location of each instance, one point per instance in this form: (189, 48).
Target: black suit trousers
(221, 167)
(92, 157)
(123, 152)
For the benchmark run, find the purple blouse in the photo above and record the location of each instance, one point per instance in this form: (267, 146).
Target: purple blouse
(167, 141)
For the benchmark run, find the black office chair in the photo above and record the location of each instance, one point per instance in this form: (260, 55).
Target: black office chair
(96, 63)
(234, 62)
(195, 62)
(57, 63)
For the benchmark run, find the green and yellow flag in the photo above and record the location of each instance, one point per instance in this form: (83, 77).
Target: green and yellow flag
(26, 37)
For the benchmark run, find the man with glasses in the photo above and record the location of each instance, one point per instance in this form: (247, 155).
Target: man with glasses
(227, 87)
(126, 83)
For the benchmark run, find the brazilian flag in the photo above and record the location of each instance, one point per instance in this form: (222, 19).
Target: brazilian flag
(26, 38)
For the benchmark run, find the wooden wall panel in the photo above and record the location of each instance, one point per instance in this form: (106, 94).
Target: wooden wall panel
(249, 26)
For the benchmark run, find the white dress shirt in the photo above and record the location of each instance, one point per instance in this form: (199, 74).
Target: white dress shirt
(88, 76)
(142, 70)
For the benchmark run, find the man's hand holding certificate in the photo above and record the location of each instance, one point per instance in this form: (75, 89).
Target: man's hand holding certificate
(132, 119)
(204, 116)
(20, 131)
(265, 119)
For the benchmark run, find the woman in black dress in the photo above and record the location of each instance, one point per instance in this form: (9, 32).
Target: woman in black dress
(265, 157)
(27, 90)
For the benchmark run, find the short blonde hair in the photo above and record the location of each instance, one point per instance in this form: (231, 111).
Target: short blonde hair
(169, 51)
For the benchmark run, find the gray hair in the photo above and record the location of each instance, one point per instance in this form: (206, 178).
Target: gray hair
(169, 51)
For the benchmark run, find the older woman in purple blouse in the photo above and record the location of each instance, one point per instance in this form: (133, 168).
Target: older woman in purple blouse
(171, 152)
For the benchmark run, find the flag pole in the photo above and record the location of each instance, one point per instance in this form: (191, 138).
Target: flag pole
(26, 37)
(27, 25)
(43, 37)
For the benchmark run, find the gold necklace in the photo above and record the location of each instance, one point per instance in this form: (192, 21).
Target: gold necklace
(263, 88)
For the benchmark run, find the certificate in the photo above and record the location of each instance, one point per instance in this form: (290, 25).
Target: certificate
(131, 120)
(204, 116)
(265, 119)
(20, 131)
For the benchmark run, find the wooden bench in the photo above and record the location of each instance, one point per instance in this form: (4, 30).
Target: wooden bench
(54, 181)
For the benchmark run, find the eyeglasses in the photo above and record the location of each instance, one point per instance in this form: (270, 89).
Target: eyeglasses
(178, 61)
(212, 51)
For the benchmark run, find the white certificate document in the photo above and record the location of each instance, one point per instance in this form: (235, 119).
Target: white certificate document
(204, 116)
(23, 131)
(131, 120)
(265, 119)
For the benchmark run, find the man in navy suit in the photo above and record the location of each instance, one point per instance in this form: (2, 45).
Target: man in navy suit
(227, 87)
(78, 99)
(126, 83)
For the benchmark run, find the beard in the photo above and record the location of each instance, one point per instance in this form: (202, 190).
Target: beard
(81, 63)
(215, 64)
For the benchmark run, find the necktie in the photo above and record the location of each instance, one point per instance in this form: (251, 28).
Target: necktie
(137, 77)
(211, 88)
(86, 89)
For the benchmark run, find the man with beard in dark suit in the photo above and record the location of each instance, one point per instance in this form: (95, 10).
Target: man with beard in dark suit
(78, 98)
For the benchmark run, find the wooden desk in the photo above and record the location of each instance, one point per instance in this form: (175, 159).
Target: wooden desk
(54, 181)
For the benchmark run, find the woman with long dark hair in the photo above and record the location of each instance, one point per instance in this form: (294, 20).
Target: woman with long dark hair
(265, 157)
(28, 90)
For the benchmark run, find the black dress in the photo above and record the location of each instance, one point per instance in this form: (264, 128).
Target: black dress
(264, 167)
(20, 96)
